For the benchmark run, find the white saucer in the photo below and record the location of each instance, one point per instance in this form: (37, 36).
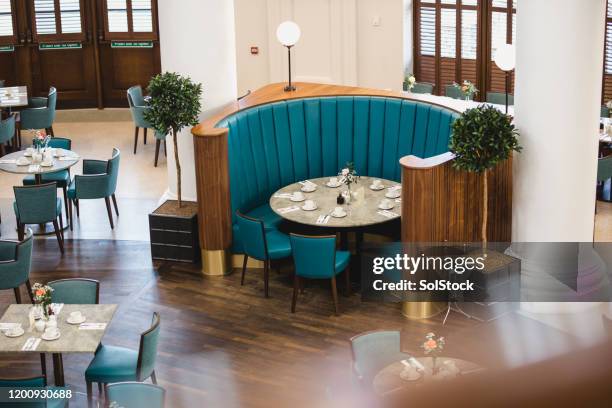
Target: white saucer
(335, 215)
(380, 207)
(309, 209)
(333, 185)
(46, 338)
(23, 163)
(26, 154)
(18, 334)
(295, 200)
(81, 320)
(372, 187)
(43, 164)
(393, 194)
(305, 189)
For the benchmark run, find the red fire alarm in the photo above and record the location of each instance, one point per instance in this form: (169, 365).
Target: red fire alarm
(255, 50)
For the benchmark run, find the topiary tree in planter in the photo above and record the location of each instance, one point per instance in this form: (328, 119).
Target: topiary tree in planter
(483, 137)
(174, 105)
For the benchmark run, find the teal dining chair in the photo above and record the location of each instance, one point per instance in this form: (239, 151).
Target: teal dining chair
(453, 92)
(136, 395)
(604, 112)
(261, 244)
(99, 180)
(34, 382)
(40, 113)
(317, 258)
(159, 137)
(75, 291)
(372, 351)
(138, 106)
(423, 88)
(499, 98)
(39, 204)
(118, 364)
(7, 132)
(15, 265)
(60, 178)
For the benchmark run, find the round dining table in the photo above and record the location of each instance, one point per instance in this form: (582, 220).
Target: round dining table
(389, 379)
(363, 210)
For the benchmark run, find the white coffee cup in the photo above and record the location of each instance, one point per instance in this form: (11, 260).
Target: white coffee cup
(52, 322)
(333, 181)
(377, 183)
(29, 150)
(310, 205)
(51, 331)
(298, 195)
(15, 330)
(385, 203)
(76, 316)
(338, 211)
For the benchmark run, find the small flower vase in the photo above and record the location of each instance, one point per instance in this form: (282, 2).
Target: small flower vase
(347, 195)
(52, 322)
(39, 325)
(434, 365)
(467, 98)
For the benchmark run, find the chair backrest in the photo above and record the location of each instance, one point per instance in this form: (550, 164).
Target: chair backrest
(15, 273)
(33, 382)
(499, 98)
(453, 92)
(423, 88)
(52, 100)
(136, 394)
(36, 204)
(604, 168)
(147, 353)
(372, 351)
(113, 169)
(60, 143)
(604, 112)
(76, 291)
(135, 96)
(320, 266)
(7, 129)
(253, 235)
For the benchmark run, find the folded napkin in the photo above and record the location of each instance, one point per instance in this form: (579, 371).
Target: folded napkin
(92, 326)
(283, 195)
(8, 326)
(8, 161)
(388, 214)
(323, 219)
(31, 344)
(34, 168)
(288, 209)
(307, 183)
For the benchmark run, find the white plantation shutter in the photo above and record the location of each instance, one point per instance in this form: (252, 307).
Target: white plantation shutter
(503, 27)
(6, 19)
(142, 16)
(70, 14)
(117, 16)
(130, 19)
(607, 76)
(44, 11)
(59, 20)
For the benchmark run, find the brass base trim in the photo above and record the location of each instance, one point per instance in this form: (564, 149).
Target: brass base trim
(238, 259)
(422, 310)
(216, 263)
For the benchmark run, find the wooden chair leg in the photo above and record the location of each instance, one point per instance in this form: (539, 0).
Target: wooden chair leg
(266, 278)
(115, 204)
(76, 205)
(17, 294)
(70, 214)
(100, 389)
(145, 135)
(109, 211)
(296, 284)
(59, 236)
(347, 281)
(19, 136)
(2, 150)
(43, 364)
(157, 144)
(61, 224)
(20, 231)
(135, 138)
(65, 191)
(334, 294)
(29, 287)
(165, 149)
(89, 396)
(153, 377)
(51, 132)
(244, 265)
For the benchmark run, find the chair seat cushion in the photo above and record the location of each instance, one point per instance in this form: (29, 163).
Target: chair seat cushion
(62, 178)
(58, 209)
(113, 364)
(265, 213)
(342, 260)
(279, 245)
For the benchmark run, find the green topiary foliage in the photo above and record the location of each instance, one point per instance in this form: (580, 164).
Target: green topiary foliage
(482, 137)
(174, 105)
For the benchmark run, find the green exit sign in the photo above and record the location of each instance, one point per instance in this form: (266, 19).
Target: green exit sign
(61, 46)
(132, 44)
(7, 48)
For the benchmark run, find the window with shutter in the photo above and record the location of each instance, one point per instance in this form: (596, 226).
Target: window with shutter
(7, 23)
(58, 20)
(130, 19)
(503, 31)
(607, 74)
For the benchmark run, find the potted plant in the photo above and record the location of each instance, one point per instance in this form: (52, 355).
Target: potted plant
(483, 137)
(173, 105)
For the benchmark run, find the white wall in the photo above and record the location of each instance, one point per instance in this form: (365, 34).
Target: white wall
(339, 42)
(198, 40)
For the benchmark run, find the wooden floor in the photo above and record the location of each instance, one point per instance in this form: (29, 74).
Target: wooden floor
(223, 345)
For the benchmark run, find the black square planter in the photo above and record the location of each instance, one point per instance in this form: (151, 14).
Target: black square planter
(174, 232)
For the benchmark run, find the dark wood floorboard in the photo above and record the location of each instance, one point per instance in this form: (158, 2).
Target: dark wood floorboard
(223, 345)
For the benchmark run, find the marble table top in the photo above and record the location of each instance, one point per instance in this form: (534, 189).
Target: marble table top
(72, 339)
(362, 211)
(8, 163)
(13, 96)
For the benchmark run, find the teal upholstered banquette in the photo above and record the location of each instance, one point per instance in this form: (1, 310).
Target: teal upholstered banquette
(276, 144)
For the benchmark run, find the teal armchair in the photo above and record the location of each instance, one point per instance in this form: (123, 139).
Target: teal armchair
(60, 178)
(118, 364)
(135, 395)
(99, 180)
(604, 112)
(499, 98)
(423, 88)
(40, 113)
(373, 351)
(604, 168)
(261, 244)
(39, 204)
(35, 382)
(7, 132)
(76, 291)
(327, 264)
(138, 106)
(15, 265)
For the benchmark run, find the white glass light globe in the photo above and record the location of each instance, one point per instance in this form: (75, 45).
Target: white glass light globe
(505, 57)
(288, 33)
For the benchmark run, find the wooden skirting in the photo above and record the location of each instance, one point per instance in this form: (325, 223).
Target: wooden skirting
(441, 204)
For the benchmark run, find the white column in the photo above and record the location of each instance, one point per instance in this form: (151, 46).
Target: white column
(197, 38)
(559, 47)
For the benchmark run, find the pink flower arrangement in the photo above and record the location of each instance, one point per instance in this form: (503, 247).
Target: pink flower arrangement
(433, 344)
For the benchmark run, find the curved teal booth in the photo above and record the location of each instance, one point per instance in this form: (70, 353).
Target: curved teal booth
(276, 144)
